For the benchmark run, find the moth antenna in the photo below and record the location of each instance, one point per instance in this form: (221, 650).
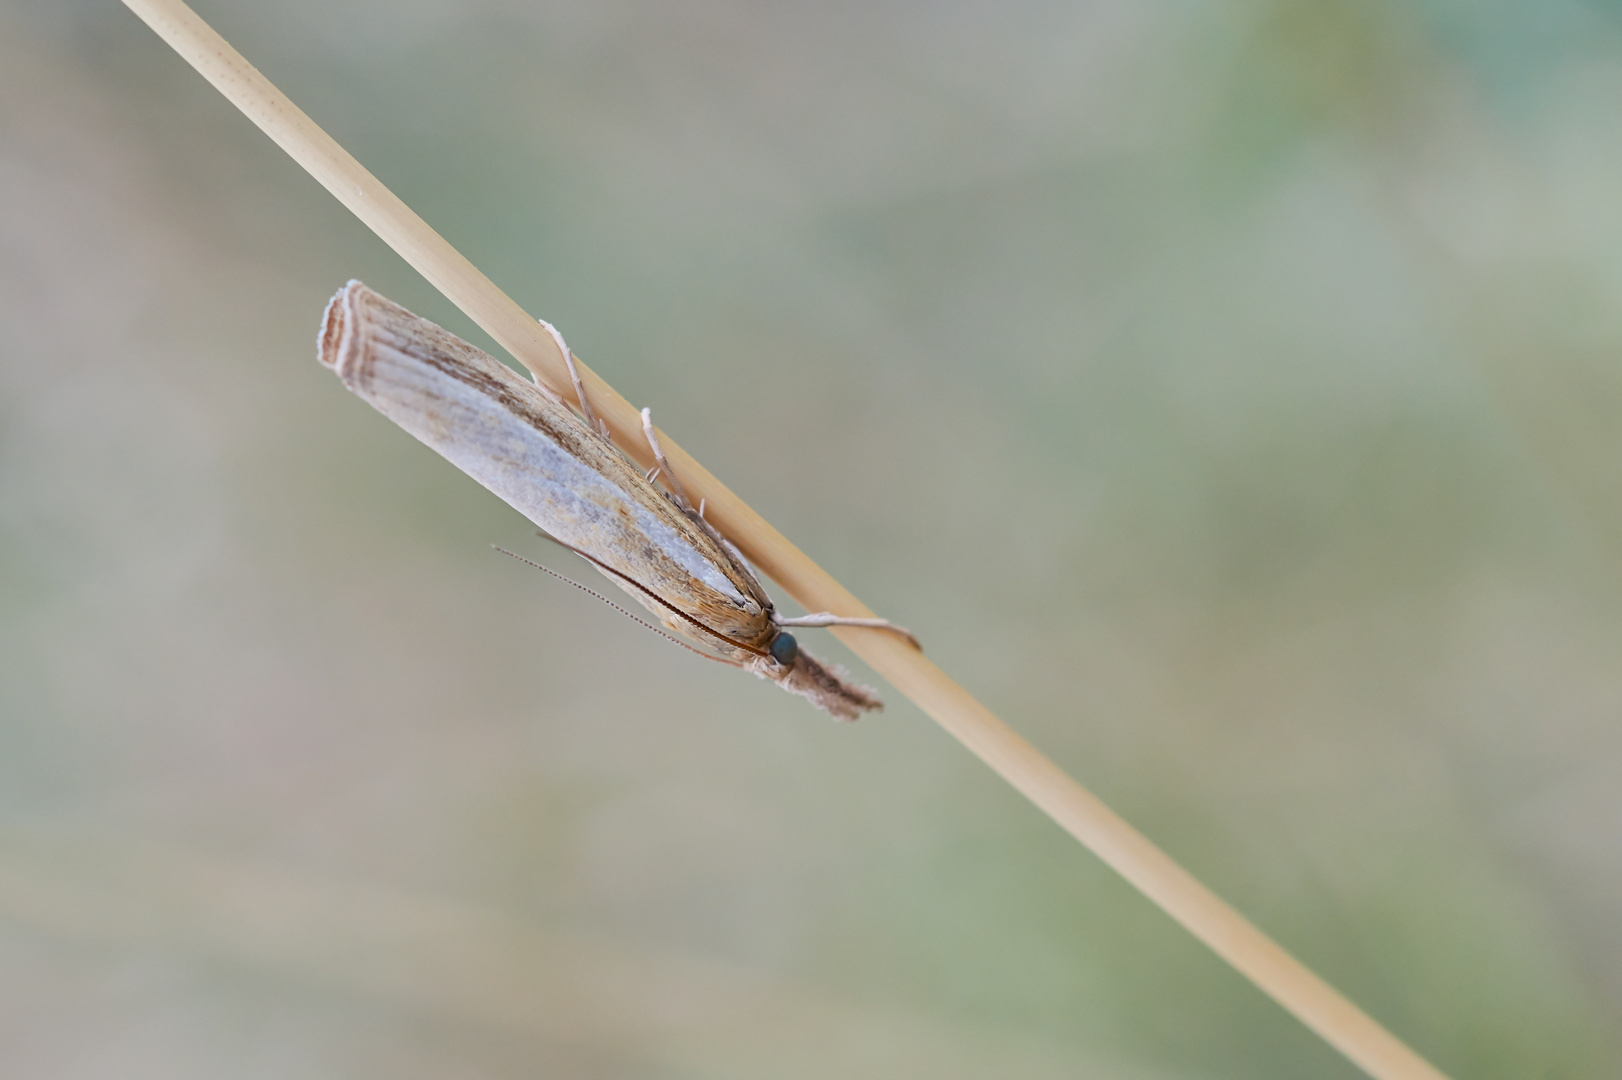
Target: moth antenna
(544, 535)
(616, 607)
(651, 595)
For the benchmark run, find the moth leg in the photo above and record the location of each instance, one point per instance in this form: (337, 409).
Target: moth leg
(663, 465)
(679, 494)
(825, 618)
(574, 374)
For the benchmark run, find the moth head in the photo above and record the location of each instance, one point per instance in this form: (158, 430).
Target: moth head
(784, 649)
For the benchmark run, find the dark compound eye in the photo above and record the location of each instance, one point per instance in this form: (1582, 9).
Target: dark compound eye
(785, 649)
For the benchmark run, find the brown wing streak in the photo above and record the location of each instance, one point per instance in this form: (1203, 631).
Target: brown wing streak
(656, 598)
(607, 459)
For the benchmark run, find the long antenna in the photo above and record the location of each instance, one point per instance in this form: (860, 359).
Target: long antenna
(651, 595)
(1076, 810)
(567, 580)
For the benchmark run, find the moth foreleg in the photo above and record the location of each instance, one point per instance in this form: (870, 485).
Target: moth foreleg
(828, 618)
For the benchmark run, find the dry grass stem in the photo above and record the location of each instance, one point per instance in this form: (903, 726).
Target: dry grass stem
(1206, 916)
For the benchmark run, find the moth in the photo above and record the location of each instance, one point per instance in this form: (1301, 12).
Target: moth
(563, 472)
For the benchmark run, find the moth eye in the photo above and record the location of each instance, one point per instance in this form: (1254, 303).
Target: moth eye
(784, 649)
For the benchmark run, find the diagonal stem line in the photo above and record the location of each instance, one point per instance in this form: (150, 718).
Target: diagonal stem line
(1076, 810)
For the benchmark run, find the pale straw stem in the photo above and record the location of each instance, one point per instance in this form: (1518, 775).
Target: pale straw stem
(1080, 813)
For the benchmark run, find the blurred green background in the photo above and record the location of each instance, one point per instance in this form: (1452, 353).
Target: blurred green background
(1227, 394)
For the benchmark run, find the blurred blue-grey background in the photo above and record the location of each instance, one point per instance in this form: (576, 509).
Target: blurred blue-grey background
(1227, 393)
